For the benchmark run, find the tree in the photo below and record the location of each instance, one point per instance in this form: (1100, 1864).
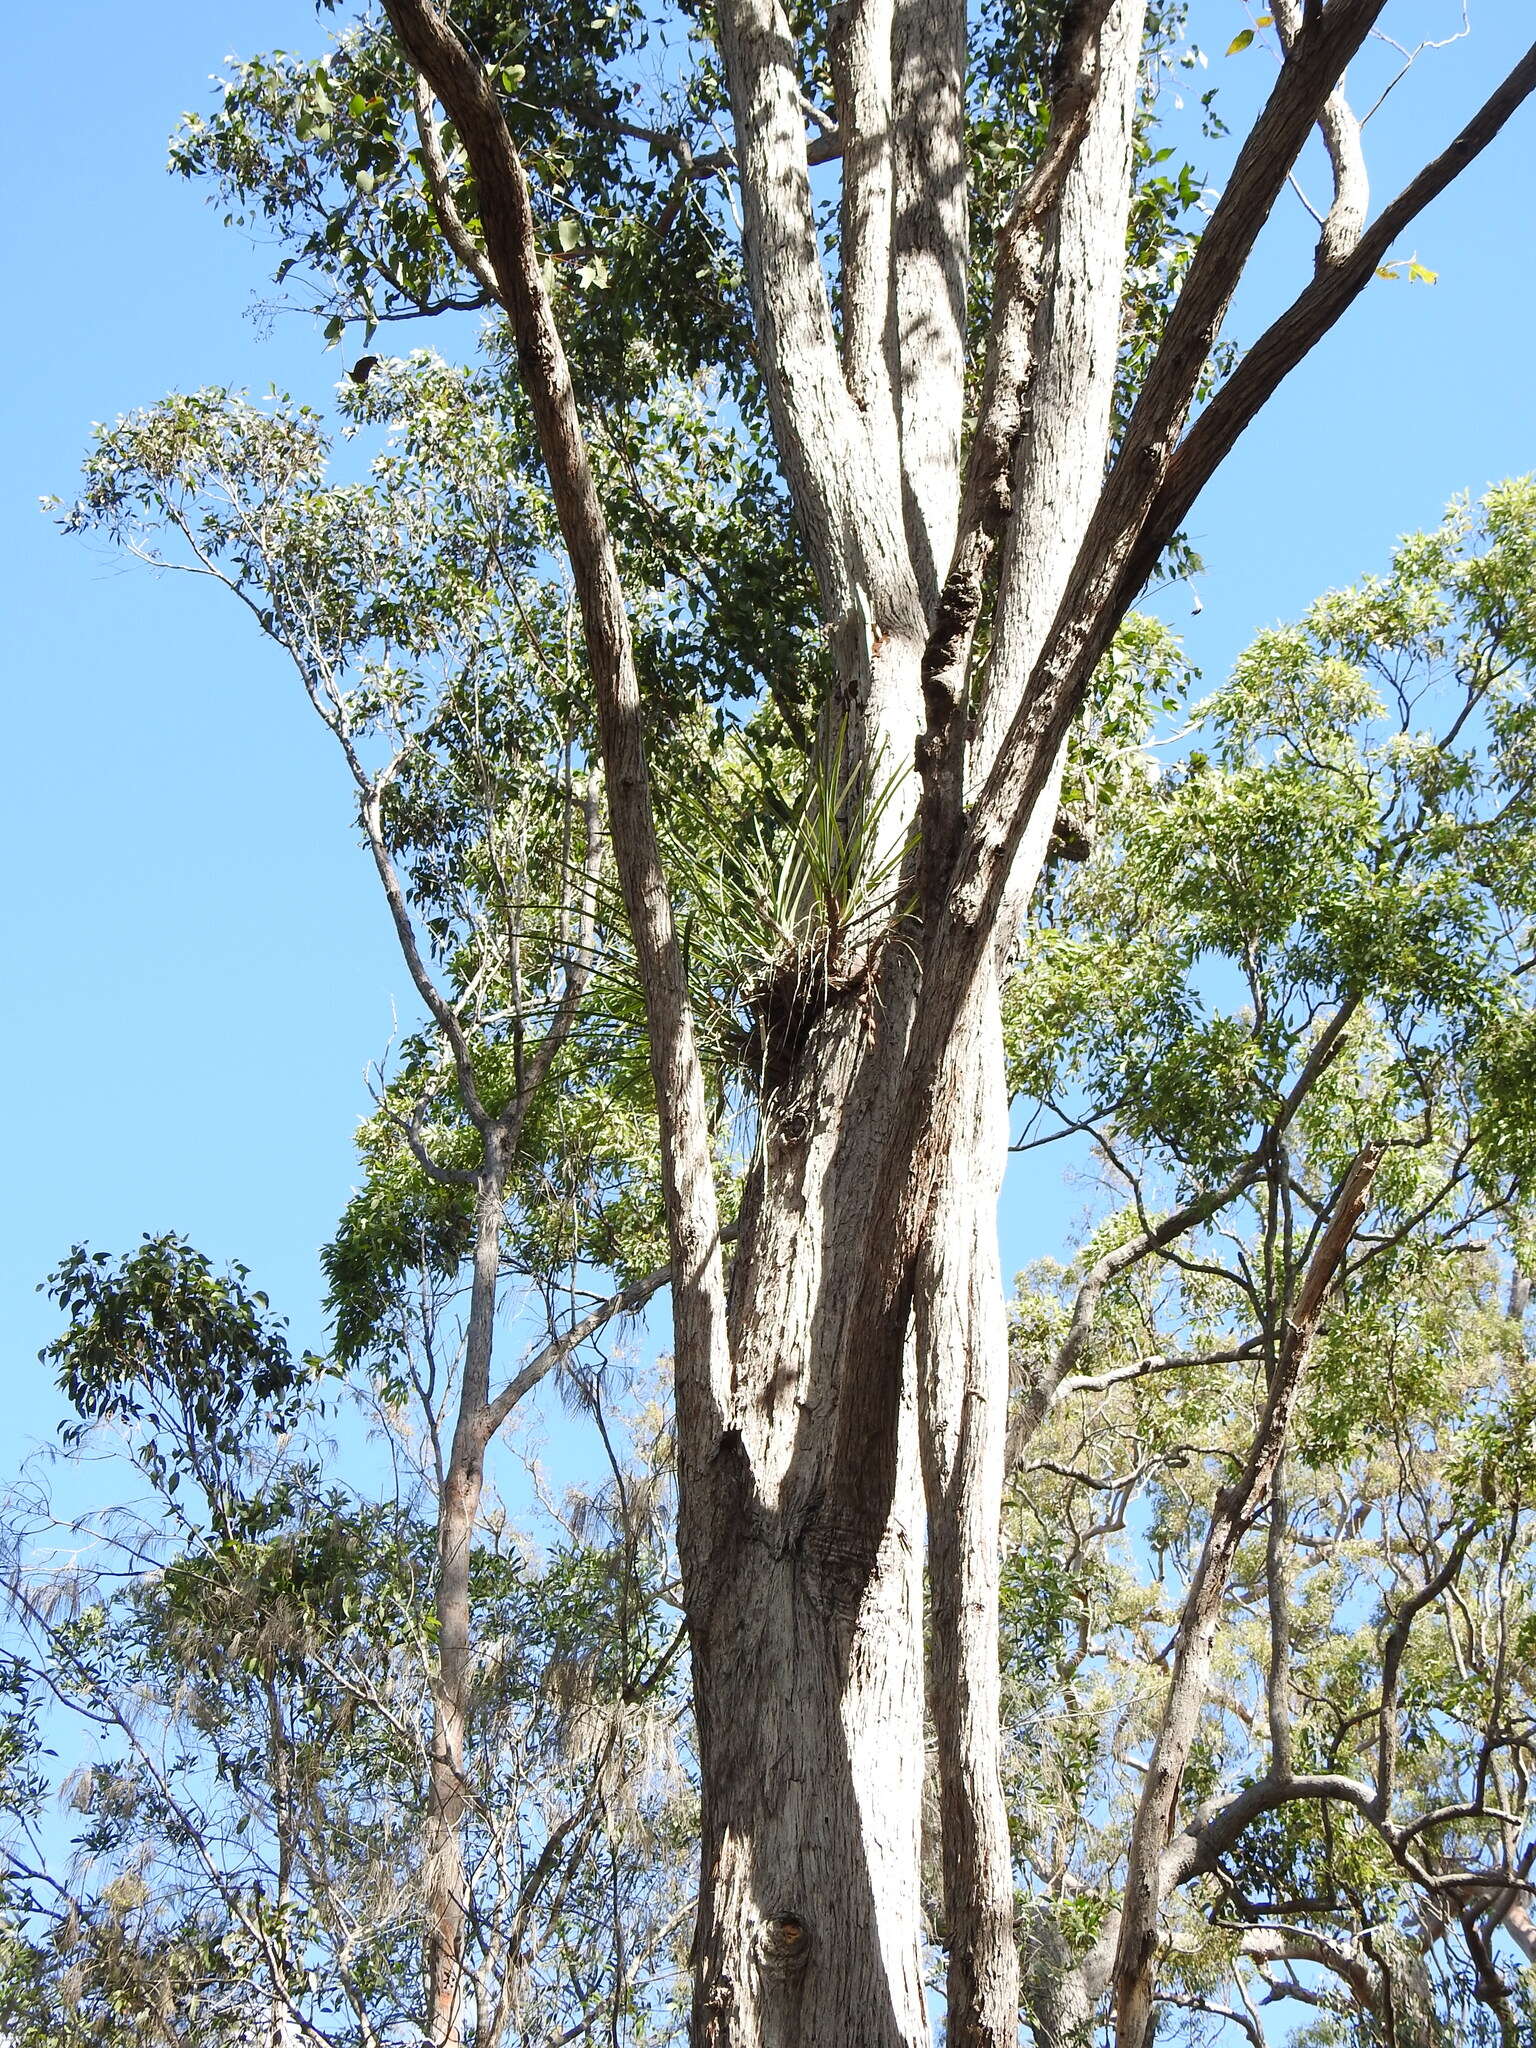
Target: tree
(1284, 992)
(410, 606)
(988, 441)
(253, 1656)
(1284, 996)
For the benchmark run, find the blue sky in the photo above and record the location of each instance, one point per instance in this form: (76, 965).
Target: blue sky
(199, 967)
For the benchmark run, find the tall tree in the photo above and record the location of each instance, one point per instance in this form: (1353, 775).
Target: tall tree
(989, 428)
(1288, 999)
(439, 660)
(1268, 1559)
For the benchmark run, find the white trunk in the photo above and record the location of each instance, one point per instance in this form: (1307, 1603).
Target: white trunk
(962, 1325)
(962, 1344)
(796, 1409)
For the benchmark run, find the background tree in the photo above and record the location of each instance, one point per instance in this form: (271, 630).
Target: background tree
(256, 1649)
(1288, 998)
(421, 616)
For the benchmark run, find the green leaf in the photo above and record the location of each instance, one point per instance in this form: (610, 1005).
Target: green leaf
(569, 232)
(1240, 41)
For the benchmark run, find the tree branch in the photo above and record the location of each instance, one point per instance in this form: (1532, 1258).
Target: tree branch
(838, 460)
(1346, 155)
(1158, 1237)
(440, 188)
(930, 256)
(1270, 359)
(624, 1303)
(1234, 1512)
(468, 95)
(986, 499)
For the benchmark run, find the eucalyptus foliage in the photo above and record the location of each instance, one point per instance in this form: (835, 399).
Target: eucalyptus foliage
(1332, 856)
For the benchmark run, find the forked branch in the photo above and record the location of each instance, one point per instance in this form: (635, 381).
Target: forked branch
(1236, 1508)
(1283, 344)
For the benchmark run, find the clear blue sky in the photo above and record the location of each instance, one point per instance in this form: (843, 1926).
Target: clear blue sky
(197, 961)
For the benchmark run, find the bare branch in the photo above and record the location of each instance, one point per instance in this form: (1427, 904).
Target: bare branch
(443, 1012)
(624, 1303)
(859, 49)
(1346, 155)
(1157, 1237)
(1235, 1510)
(1392, 1664)
(440, 186)
(840, 462)
(578, 974)
(1287, 340)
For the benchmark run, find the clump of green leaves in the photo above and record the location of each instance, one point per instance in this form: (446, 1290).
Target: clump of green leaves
(786, 898)
(1310, 932)
(1350, 819)
(191, 1360)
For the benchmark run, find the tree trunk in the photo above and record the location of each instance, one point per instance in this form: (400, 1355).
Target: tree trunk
(808, 1641)
(445, 1879)
(809, 1707)
(961, 1327)
(961, 1323)
(806, 1624)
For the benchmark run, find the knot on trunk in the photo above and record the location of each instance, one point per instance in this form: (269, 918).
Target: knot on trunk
(842, 1547)
(783, 1945)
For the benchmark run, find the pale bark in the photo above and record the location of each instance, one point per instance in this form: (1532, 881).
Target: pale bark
(930, 232)
(859, 45)
(1342, 138)
(1062, 1994)
(447, 1899)
(1396, 1995)
(961, 1319)
(961, 1327)
(806, 1627)
(806, 1618)
(834, 430)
